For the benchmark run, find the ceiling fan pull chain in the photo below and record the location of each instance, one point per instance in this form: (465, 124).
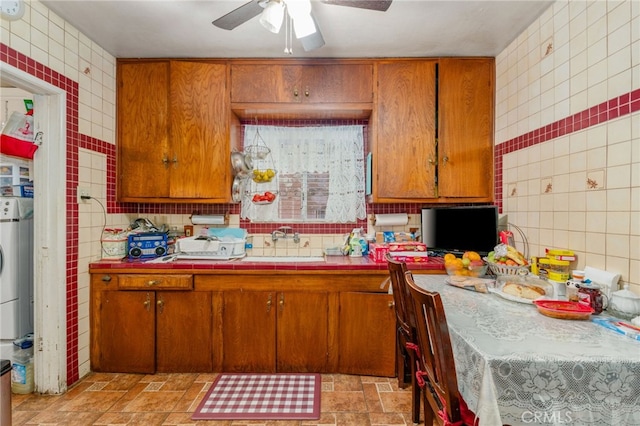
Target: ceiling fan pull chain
(287, 37)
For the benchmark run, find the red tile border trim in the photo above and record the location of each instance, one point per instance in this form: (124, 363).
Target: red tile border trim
(24, 63)
(598, 114)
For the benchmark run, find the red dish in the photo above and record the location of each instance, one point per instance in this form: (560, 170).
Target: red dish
(563, 310)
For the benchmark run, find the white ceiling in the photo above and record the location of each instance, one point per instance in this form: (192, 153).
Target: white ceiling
(410, 28)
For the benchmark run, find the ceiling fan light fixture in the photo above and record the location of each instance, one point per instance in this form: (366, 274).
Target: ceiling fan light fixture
(272, 16)
(304, 26)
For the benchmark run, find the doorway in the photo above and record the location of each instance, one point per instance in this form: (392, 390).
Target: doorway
(50, 342)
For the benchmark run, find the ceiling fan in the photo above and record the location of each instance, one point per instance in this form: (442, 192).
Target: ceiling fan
(272, 13)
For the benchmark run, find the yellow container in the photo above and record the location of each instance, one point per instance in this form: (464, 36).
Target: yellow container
(558, 270)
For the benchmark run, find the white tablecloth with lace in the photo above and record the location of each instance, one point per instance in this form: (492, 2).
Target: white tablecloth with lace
(518, 367)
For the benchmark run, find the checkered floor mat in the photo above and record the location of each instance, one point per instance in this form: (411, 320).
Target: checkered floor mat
(261, 396)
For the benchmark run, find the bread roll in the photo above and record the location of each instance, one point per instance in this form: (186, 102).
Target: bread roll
(524, 291)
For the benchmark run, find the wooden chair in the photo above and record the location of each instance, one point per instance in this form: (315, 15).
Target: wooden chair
(435, 368)
(406, 333)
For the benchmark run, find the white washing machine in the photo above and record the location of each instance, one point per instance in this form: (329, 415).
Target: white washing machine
(16, 271)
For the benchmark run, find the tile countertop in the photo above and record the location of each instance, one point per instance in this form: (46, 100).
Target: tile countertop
(345, 263)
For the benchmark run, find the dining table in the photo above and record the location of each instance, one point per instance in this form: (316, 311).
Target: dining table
(516, 366)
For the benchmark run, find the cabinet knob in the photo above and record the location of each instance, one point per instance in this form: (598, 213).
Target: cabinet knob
(444, 160)
(175, 161)
(392, 305)
(106, 278)
(151, 283)
(147, 303)
(431, 162)
(306, 92)
(269, 303)
(160, 304)
(295, 92)
(281, 301)
(165, 161)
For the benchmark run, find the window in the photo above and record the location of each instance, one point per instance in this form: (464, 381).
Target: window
(319, 174)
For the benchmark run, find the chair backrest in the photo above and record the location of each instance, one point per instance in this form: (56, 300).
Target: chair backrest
(436, 353)
(401, 296)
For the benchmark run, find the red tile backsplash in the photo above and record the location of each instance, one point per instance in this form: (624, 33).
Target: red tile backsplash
(616, 107)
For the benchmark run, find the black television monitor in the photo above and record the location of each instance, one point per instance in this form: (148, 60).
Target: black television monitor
(461, 228)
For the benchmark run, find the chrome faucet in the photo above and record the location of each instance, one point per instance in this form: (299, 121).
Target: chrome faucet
(284, 232)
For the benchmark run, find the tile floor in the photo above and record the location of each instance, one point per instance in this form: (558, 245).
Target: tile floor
(169, 399)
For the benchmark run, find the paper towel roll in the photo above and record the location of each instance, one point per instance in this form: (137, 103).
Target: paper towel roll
(391, 219)
(212, 219)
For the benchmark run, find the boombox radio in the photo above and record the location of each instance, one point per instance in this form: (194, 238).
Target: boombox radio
(146, 245)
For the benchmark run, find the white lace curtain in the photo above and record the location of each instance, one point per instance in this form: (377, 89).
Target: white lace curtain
(338, 150)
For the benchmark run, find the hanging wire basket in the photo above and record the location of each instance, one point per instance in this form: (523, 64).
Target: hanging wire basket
(258, 149)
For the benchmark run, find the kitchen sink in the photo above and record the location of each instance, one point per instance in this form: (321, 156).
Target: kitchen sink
(283, 259)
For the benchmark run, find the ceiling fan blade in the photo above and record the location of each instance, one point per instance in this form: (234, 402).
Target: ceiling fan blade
(380, 5)
(313, 41)
(239, 16)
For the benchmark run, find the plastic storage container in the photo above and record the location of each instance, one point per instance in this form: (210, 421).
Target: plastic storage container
(22, 372)
(5, 392)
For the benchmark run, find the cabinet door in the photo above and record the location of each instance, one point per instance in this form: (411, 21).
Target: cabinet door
(127, 327)
(367, 335)
(339, 83)
(405, 142)
(465, 149)
(184, 331)
(302, 332)
(249, 331)
(200, 149)
(143, 136)
(264, 83)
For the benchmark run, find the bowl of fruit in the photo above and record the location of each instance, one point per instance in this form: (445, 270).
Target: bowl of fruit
(263, 176)
(506, 260)
(266, 197)
(470, 264)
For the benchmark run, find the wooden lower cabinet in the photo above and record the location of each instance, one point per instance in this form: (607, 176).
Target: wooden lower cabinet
(268, 331)
(367, 334)
(323, 323)
(146, 331)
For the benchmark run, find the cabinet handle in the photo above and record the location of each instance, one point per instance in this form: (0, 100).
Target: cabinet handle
(431, 162)
(147, 303)
(392, 305)
(160, 304)
(151, 283)
(306, 92)
(295, 92)
(281, 302)
(175, 161)
(445, 159)
(269, 303)
(165, 161)
(106, 278)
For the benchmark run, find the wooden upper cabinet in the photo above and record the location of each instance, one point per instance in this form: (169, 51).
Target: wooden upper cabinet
(465, 149)
(432, 135)
(404, 151)
(143, 130)
(282, 83)
(174, 122)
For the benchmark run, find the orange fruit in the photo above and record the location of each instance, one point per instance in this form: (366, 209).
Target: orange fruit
(471, 255)
(449, 257)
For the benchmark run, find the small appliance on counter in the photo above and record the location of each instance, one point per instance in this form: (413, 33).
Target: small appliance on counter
(146, 245)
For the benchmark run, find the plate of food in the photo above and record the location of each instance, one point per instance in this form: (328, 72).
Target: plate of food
(481, 285)
(519, 292)
(562, 309)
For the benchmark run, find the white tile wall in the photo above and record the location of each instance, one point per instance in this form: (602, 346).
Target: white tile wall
(580, 191)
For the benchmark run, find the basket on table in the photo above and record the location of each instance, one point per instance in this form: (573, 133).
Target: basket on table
(499, 269)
